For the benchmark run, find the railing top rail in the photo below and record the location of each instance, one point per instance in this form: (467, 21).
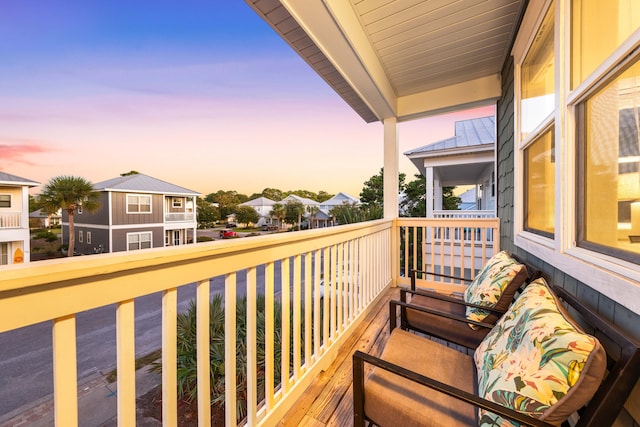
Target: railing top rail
(457, 221)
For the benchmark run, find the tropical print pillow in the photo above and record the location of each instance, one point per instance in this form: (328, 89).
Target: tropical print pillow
(490, 284)
(537, 362)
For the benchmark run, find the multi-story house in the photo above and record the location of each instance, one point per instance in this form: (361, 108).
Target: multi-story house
(136, 212)
(14, 219)
(263, 206)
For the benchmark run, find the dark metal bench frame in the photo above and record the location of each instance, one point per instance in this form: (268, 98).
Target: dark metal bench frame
(603, 408)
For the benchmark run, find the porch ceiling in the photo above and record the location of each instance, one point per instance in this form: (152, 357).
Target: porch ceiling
(404, 59)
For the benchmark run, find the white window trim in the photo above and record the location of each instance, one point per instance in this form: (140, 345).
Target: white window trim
(80, 236)
(10, 200)
(176, 203)
(613, 277)
(88, 237)
(140, 233)
(138, 195)
(531, 23)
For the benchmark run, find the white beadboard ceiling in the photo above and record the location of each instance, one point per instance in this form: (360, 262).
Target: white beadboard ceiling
(400, 58)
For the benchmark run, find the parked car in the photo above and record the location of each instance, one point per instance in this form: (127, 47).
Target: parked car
(228, 234)
(269, 227)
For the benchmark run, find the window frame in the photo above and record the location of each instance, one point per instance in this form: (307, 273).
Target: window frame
(176, 203)
(80, 236)
(139, 234)
(7, 198)
(531, 23)
(139, 212)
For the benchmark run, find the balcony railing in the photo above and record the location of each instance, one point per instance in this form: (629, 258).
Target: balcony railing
(324, 280)
(180, 217)
(456, 246)
(463, 214)
(10, 219)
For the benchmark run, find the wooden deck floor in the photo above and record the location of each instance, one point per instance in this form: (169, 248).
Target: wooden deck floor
(329, 399)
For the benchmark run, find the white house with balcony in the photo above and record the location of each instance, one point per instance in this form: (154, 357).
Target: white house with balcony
(136, 212)
(14, 219)
(467, 158)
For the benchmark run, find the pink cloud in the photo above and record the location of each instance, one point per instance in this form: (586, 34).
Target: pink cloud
(19, 150)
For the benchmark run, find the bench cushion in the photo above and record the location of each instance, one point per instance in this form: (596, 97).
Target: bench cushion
(443, 327)
(536, 360)
(391, 400)
(494, 286)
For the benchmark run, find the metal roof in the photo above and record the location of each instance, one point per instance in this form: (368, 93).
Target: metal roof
(260, 201)
(7, 178)
(468, 133)
(144, 184)
(401, 58)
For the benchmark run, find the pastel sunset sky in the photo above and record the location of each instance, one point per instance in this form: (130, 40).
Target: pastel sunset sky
(202, 94)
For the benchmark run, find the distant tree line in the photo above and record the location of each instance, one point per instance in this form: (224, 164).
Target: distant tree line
(412, 204)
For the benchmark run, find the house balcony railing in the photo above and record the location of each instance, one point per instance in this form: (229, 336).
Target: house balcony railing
(180, 217)
(10, 219)
(325, 282)
(464, 214)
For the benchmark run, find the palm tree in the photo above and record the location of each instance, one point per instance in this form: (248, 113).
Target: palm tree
(279, 212)
(68, 193)
(313, 211)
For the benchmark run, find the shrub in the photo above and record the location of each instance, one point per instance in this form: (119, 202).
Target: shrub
(187, 357)
(204, 239)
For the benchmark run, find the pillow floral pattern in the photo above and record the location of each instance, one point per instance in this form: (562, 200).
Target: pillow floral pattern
(490, 284)
(533, 357)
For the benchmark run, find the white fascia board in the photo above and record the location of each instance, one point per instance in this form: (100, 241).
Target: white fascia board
(336, 31)
(470, 94)
(459, 160)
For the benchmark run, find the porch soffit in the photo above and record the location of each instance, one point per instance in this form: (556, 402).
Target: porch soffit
(403, 59)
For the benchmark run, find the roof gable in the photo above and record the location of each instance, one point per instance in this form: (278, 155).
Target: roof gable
(142, 183)
(9, 179)
(468, 133)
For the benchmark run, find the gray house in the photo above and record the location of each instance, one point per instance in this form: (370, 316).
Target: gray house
(136, 212)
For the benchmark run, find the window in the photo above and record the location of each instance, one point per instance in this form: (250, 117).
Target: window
(80, 236)
(537, 143)
(540, 185)
(590, 45)
(88, 237)
(4, 253)
(609, 147)
(537, 91)
(137, 241)
(137, 203)
(177, 203)
(5, 200)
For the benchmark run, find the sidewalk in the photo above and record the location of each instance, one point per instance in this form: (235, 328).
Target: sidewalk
(97, 405)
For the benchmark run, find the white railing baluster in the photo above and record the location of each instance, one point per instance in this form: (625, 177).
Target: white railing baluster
(202, 352)
(326, 292)
(297, 285)
(126, 363)
(286, 324)
(307, 310)
(270, 331)
(65, 380)
(169, 358)
(252, 353)
(230, 364)
(317, 325)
